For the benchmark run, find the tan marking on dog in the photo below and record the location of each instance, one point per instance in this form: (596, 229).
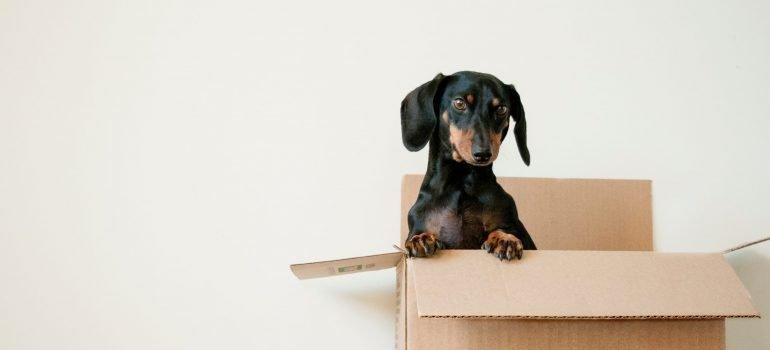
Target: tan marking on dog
(495, 102)
(462, 141)
(497, 236)
(456, 156)
(421, 243)
(501, 234)
(469, 98)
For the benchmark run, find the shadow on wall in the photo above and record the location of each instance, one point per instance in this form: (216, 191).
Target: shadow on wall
(754, 270)
(380, 300)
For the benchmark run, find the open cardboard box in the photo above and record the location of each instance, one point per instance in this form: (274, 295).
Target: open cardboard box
(594, 283)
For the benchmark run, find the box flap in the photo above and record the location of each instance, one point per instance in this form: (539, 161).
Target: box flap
(346, 266)
(579, 285)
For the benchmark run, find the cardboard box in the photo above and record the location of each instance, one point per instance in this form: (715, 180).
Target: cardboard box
(595, 284)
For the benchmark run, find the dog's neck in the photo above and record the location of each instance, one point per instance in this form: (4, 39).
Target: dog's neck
(445, 173)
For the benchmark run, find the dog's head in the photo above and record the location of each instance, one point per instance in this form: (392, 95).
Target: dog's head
(470, 112)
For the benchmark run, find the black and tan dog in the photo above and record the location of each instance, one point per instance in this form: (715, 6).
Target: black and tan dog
(465, 117)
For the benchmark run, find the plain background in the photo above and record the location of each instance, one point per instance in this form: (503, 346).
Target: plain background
(163, 162)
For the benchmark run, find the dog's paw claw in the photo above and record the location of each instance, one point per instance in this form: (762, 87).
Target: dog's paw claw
(503, 246)
(422, 245)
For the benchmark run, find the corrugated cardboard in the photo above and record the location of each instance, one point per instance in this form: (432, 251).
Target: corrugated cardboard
(601, 290)
(579, 285)
(566, 334)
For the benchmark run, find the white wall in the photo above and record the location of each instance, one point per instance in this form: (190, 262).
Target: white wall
(163, 162)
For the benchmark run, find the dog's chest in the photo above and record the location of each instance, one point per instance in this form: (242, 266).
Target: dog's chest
(457, 220)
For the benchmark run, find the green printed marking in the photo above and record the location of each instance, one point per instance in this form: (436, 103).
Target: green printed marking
(349, 268)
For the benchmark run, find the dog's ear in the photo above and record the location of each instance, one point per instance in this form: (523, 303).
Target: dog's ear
(520, 130)
(418, 114)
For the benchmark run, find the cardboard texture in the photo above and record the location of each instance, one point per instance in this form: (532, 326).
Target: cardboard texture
(594, 284)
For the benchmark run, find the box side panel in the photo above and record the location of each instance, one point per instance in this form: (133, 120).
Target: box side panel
(414, 324)
(450, 334)
(571, 214)
(401, 305)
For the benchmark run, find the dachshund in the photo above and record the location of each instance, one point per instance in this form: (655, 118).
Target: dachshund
(465, 118)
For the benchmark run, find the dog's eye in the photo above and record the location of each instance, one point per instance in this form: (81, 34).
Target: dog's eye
(502, 111)
(459, 104)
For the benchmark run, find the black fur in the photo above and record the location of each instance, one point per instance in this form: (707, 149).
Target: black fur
(460, 202)
(418, 118)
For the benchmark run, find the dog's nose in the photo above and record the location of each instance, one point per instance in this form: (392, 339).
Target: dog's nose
(482, 156)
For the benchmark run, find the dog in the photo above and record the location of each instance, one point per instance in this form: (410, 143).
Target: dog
(465, 118)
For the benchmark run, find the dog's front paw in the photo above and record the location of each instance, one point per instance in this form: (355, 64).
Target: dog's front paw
(422, 245)
(504, 246)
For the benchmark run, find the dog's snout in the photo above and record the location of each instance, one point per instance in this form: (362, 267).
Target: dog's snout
(482, 155)
(481, 150)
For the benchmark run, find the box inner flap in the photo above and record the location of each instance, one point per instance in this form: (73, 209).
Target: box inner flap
(346, 266)
(579, 284)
